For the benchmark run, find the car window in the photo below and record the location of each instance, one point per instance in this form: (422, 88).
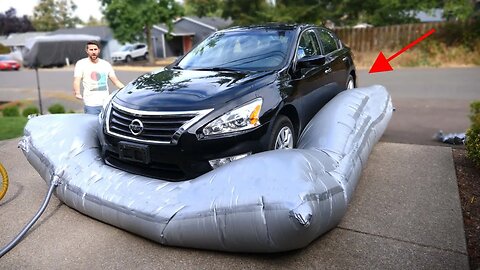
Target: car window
(328, 41)
(126, 48)
(308, 45)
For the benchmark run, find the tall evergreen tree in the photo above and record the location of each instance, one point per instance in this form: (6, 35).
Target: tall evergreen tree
(10, 23)
(203, 8)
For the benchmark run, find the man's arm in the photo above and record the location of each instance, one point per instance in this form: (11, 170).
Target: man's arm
(76, 87)
(116, 81)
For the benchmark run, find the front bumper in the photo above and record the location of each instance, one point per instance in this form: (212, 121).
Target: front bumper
(186, 160)
(118, 58)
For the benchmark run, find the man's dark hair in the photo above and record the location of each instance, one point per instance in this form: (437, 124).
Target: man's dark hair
(92, 42)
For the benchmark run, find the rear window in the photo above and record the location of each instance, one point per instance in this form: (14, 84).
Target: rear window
(329, 43)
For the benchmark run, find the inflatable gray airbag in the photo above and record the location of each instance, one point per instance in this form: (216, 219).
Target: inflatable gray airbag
(268, 202)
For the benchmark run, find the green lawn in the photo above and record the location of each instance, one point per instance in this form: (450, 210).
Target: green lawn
(12, 127)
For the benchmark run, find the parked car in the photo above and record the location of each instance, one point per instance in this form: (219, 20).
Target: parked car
(130, 52)
(241, 91)
(8, 63)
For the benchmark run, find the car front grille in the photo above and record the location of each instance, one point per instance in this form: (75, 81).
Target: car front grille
(158, 127)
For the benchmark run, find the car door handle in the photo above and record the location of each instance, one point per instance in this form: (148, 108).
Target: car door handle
(328, 70)
(345, 59)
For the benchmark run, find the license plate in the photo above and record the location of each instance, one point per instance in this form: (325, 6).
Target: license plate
(134, 152)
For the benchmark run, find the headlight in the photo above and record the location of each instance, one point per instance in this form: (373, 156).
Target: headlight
(241, 118)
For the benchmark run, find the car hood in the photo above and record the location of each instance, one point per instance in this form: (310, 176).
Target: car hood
(189, 89)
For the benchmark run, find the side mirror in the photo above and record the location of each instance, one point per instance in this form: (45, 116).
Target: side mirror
(311, 61)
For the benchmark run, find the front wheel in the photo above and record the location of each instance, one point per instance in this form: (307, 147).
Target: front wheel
(350, 82)
(128, 59)
(283, 135)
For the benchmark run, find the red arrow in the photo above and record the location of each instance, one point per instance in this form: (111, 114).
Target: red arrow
(381, 63)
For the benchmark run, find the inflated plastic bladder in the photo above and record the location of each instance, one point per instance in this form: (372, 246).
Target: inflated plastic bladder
(268, 202)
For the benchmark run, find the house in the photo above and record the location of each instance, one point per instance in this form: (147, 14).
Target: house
(108, 42)
(434, 15)
(187, 32)
(16, 42)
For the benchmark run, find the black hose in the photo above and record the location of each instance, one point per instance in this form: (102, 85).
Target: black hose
(53, 184)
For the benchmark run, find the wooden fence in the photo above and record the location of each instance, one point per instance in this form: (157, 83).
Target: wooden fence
(385, 37)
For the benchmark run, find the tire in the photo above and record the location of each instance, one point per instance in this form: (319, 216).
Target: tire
(128, 59)
(350, 82)
(145, 56)
(283, 134)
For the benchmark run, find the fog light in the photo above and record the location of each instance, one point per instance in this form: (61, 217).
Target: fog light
(215, 163)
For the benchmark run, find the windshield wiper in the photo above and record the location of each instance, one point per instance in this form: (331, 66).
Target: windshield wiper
(176, 67)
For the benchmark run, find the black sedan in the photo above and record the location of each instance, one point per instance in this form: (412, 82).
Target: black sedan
(241, 91)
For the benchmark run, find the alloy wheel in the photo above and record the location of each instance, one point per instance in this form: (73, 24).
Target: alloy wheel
(284, 139)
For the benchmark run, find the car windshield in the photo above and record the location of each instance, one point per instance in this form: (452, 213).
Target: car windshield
(240, 50)
(126, 48)
(5, 58)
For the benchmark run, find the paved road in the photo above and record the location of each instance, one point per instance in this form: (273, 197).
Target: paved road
(427, 99)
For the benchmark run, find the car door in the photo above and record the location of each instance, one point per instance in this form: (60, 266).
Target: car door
(138, 50)
(337, 58)
(314, 84)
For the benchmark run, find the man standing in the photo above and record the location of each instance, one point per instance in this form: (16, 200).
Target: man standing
(93, 72)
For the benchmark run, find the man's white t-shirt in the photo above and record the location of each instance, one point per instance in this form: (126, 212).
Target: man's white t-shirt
(94, 80)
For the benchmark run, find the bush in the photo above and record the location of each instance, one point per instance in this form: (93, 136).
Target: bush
(459, 34)
(30, 110)
(4, 49)
(472, 143)
(56, 108)
(11, 111)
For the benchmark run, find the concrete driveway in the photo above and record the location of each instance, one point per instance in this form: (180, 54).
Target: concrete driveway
(405, 214)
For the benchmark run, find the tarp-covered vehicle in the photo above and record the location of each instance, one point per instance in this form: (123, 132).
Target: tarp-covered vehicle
(55, 50)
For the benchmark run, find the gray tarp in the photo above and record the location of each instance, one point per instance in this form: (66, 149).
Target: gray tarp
(268, 202)
(50, 51)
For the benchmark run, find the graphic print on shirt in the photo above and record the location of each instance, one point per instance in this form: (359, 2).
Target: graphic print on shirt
(101, 79)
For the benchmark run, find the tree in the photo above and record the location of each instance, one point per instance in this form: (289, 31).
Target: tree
(203, 8)
(341, 12)
(92, 21)
(458, 9)
(246, 12)
(10, 23)
(133, 20)
(50, 15)
(305, 11)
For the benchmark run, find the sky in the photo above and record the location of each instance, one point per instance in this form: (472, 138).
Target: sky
(85, 8)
